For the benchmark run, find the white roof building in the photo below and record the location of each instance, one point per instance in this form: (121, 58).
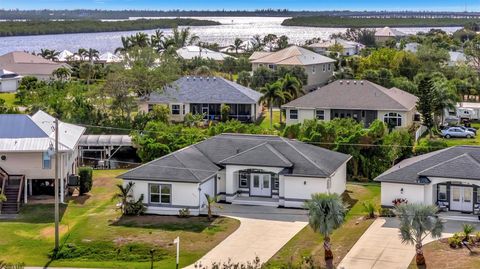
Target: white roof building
(109, 57)
(190, 52)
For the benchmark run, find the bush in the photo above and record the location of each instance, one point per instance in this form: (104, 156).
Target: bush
(429, 145)
(369, 208)
(468, 229)
(225, 112)
(184, 213)
(3, 198)
(85, 174)
(386, 212)
(455, 241)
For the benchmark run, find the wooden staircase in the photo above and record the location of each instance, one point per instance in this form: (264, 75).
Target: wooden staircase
(12, 188)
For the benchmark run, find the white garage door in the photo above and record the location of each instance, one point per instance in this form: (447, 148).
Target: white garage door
(207, 187)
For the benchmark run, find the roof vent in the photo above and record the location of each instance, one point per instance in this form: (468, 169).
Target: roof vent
(208, 78)
(341, 81)
(188, 78)
(214, 78)
(361, 82)
(355, 82)
(193, 78)
(200, 78)
(348, 82)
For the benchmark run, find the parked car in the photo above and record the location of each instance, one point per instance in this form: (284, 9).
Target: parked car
(471, 129)
(457, 132)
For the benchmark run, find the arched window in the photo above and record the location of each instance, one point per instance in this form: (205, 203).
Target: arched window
(392, 119)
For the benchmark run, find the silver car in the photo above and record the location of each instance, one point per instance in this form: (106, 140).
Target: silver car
(457, 132)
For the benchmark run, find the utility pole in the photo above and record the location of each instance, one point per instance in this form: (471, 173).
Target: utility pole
(56, 186)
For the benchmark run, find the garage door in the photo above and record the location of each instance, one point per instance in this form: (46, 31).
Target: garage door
(207, 187)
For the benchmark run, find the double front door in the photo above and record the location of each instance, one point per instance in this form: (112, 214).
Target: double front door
(461, 198)
(260, 185)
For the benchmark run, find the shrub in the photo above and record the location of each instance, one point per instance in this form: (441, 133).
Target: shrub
(429, 145)
(369, 208)
(3, 198)
(184, 213)
(224, 112)
(455, 241)
(85, 174)
(468, 229)
(386, 212)
(135, 208)
(399, 201)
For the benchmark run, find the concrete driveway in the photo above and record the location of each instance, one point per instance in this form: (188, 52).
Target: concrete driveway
(262, 232)
(380, 247)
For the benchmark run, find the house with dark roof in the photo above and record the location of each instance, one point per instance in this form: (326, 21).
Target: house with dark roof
(206, 95)
(239, 169)
(361, 100)
(26, 156)
(319, 68)
(449, 178)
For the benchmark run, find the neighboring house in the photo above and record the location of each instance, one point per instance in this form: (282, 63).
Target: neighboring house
(456, 58)
(349, 47)
(108, 58)
(361, 100)
(190, 52)
(205, 95)
(384, 34)
(318, 68)
(66, 55)
(26, 64)
(9, 81)
(411, 47)
(26, 147)
(239, 169)
(449, 178)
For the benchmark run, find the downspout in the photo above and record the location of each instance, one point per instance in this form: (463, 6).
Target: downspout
(199, 198)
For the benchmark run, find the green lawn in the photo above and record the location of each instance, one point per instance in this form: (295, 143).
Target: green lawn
(464, 141)
(9, 98)
(307, 243)
(265, 120)
(94, 235)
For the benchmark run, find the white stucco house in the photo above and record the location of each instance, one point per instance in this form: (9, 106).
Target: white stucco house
(205, 95)
(9, 81)
(191, 52)
(238, 169)
(349, 47)
(26, 161)
(361, 100)
(449, 178)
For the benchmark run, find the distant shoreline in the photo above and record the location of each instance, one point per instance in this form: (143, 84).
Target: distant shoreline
(27, 28)
(332, 22)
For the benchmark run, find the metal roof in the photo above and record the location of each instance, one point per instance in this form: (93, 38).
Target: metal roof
(105, 140)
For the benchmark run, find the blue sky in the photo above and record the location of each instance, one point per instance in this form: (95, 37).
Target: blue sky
(444, 5)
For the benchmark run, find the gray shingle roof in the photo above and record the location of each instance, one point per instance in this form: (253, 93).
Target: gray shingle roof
(353, 94)
(211, 90)
(199, 162)
(461, 162)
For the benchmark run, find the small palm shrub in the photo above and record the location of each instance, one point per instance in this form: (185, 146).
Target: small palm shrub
(369, 208)
(468, 229)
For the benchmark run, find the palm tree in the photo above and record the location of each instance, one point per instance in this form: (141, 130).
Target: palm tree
(140, 40)
(272, 95)
(92, 54)
(49, 54)
(237, 44)
(182, 38)
(257, 43)
(293, 87)
(282, 42)
(326, 212)
(62, 73)
(417, 221)
(156, 40)
(211, 202)
(126, 45)
(81, 53)
(124, 195)
(44, 53)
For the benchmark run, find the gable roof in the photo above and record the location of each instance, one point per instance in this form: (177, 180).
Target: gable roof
(24, 63)
(461, 162)
(346, 44)
(204, 159)
(36, 133)
(387, 31)
(353, 94)
(210, 90)
(292, 55)
(190, 52)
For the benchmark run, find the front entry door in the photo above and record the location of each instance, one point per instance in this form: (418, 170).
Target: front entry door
(260, 185)
(461, 198)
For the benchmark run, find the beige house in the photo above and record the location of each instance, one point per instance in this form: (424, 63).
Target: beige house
(363, 101)
(26, 156)
(26, 64)
(349, 47)
(318, 68)
(382, 35)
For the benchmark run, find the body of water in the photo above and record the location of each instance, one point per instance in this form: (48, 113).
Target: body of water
(231, 28)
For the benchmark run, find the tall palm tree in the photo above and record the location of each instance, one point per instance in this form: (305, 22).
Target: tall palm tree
(81, 53)
(257, 43)
(124, 195)
(49, 54)
(293, 87)
(126, 45)
(92, 54)
(326, 212)
(62, 73)
(140, 40)
(272, 95)
(237, 44)
(156, 40)
(417, 221)
(44, 53)
(183, 37)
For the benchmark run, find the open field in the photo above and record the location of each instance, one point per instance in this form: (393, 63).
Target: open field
(307, 243)
(93, 234)
(334, 21)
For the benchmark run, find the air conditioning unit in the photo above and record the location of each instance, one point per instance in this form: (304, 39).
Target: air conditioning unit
(73, 180)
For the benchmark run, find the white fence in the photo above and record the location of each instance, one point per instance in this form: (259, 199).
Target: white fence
(420, 131)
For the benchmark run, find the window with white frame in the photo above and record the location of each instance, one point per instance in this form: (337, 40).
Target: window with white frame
(160, 194)
(46, 161)
(329, 67)
(393, 119)
(293, 114)
(313, 69)
(324, 67)
(442, 193)
(175, 109)
(243, 180)
(320, 114)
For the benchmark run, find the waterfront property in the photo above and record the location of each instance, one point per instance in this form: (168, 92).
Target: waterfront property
(349, 47)
(9, 81)
(27, 144)
(448, 178)
(239, 169)
(206, 95)
(318, 68)
(385, 34)
(26, 64)
(361, 100)
(191, 52)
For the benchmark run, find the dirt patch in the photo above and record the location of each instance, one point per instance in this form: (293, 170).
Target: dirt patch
(49, 232)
